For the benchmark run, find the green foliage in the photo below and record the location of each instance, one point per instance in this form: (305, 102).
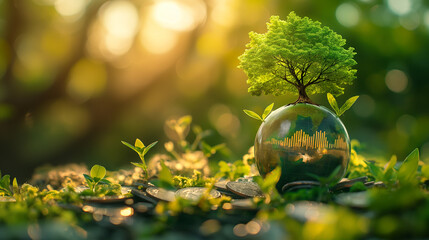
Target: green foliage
(256, 116)
(141, 150)
(98, 185)
(297, 56)
(197, 180)
(5, 186)
(234, 170)
(346, 106)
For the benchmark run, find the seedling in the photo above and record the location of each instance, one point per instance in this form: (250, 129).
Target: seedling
(346, 106)
(96, 176)
(141, 150)
(5, 186)
(256, 116)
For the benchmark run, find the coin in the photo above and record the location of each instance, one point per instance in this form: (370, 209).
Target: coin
(160, 194)
(292, 186)
(244, 204)
(307, 210)
(345, 183)
(245, 189)
(194, 193)
(354, 199)
(221, 184)
(143, 195)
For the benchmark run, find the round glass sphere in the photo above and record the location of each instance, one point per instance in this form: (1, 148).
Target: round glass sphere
(305, 140)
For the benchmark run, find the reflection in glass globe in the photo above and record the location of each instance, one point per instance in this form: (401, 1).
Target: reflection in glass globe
(304, 139)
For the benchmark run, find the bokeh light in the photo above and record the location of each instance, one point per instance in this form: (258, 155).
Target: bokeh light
(347, 14)
(396, 80)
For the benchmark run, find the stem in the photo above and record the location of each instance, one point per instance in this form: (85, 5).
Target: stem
(303, 97)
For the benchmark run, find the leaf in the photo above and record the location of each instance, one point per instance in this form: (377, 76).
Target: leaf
(267, 111)
(15, 186)
(98, 171)
(138, 165)
(271, 179)
(105, 181)
(252, 114)
(391, 163)
(88, 178)
(347, 105)
(139, 144)
(375, 170)
(408, 169)
(149, 147)
(165, 176)
(333, 103)
(131, 146)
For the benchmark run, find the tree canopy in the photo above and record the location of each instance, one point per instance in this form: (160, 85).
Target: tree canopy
(297, 56)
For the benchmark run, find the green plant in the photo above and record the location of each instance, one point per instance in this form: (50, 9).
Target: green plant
(264, 115)
(297, 56)
(5, 189)
(346, 106)
(97, 175)
(141, 150)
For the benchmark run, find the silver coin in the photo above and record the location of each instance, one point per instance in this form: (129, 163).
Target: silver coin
(194, 193)
(292, 186)
(243, 204)
(221, 184)
(348, 183)
(245, 189)
(144, 196)
(354, 199)
(160, 194)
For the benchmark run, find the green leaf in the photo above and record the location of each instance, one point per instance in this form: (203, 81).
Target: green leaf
(149, 147)
(131, 146)
(88, 178)
(376, 171)
(139, 144)
(271, 179)
(347, 105)
(15, 186)
(425, 171)
(267, 111)
(105, 181)
(391, 163)
(252, 114)
(165, 176)
(98, 171)
(408, 169)
(333, 103)
(138, 165)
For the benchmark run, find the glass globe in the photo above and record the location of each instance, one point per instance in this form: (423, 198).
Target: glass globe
(305, 140)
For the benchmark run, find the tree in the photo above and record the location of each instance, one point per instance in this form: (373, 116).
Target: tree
(297, 56)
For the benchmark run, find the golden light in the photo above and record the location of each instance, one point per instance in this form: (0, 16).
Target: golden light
(181, 15)
(87, 79)
(156, 39)
(126, 212)
(253, 227)
(120, 20)
(68, 8)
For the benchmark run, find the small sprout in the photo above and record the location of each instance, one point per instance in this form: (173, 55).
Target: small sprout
(256, 116)
(5, 185)
(97, 175)
(346, 106)
(141, 150)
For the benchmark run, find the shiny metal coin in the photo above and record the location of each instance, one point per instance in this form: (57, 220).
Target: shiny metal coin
(245, 189)
(345, 183)
(221, 185)
(195, 193)
(292, 186)
(160, 194)
(144, 196)
(354, 199)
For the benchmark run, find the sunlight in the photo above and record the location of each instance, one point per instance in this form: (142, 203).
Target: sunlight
(400, 7)
(157, 40)
(69, 8)
(179, 16)
(347, 15)
(396, 80)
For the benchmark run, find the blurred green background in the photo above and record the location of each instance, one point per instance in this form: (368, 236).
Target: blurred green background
(79, 76)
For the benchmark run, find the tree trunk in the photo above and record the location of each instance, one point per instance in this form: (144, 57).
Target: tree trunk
(303, 97)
